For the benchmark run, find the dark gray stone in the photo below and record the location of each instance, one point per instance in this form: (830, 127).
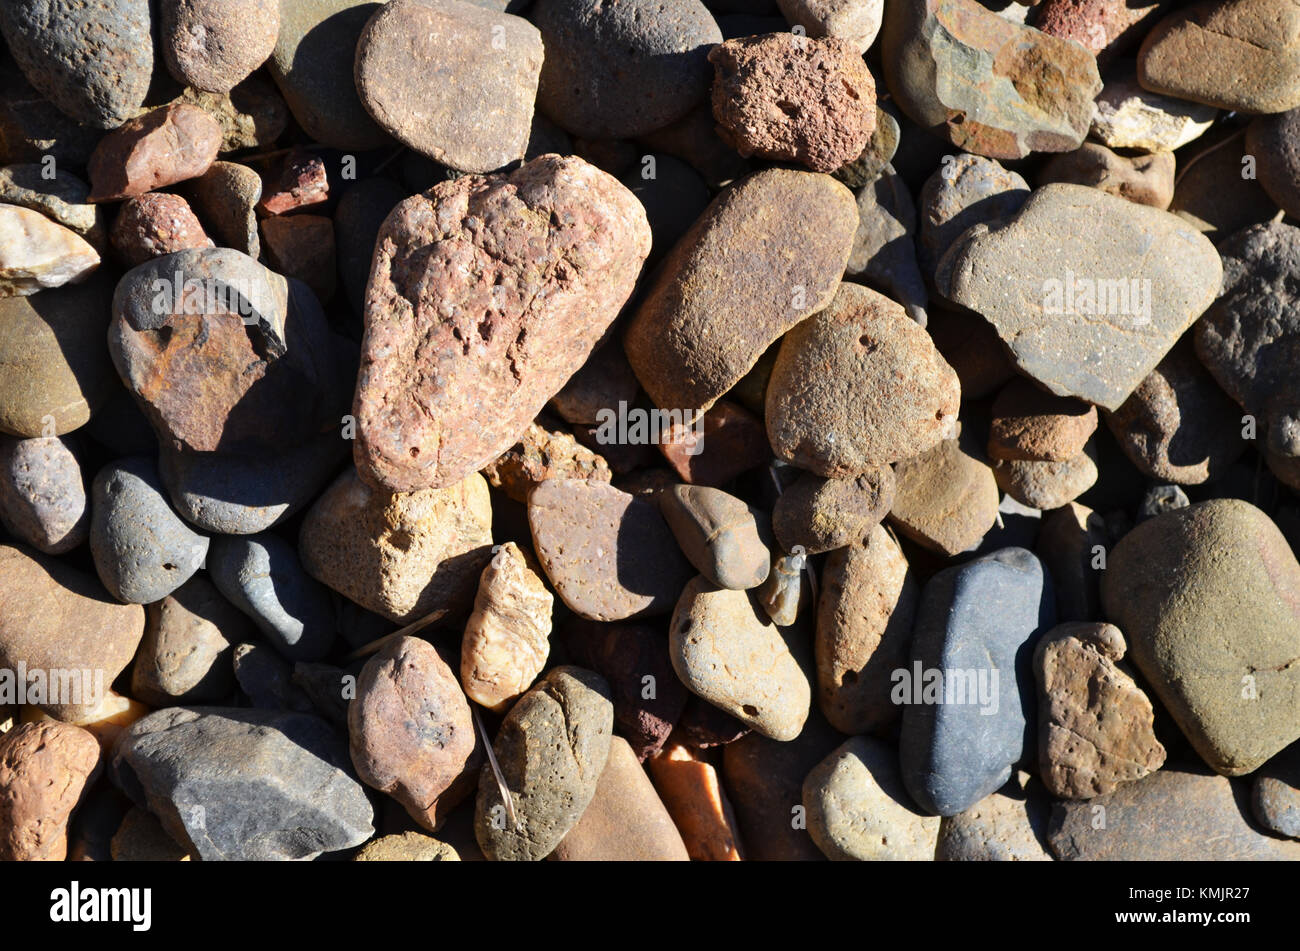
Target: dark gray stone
(1275, 793)
(884, 248)
(267, 679)
(361, 212)
(673, 194)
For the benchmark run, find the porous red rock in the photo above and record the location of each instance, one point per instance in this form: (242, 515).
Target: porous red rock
(45, 768)
(156, 224)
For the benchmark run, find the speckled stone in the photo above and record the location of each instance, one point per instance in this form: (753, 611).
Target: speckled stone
(42, 498)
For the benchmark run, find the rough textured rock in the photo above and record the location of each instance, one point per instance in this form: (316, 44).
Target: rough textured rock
(1178, 425)
(884, 252)
(793, 98)
(45, 770)
(404, 555)
(411, 731)
(142, 550)
(42, 499)
(728, 289)
(185, 655)
(407, 847)
(608, 554)
(481, 119)
(54, 617)
(214, 44)
(552, 748)
(1009, 825)
(36, 253)
(1029, 423)
(162, 147)
(1141, 281)
(1170, 816)
(141, 838)
(857, 386)
(506, 641)
(1105, 27)
(615, 71)
(724, 538)
(1249, 339)
(728, 652)
(855, 21)
(247, 785)
(461, 278)
(864, 632)
(1275, 142)
(947, 499)
(965, 190)
(1130, 117)
(300, 182)
(820, 515)
(252, 115)
(1094, 723)
(988, 85)
(156, 224)
(543, 453)
(964, 728)
(92, 59)
(727, 442)
(1242, 55)
(859, 811)
(1047, 485)
(1208, 598)
(1147, 179)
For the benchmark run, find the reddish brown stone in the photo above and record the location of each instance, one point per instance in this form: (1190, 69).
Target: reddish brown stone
(44, 770)
(156, 224)
(302, 246)
(540, 455)
(1106, 27)
(730, 440)
(486, 295)
(300, 183)
(1030, 423)
(162, 147)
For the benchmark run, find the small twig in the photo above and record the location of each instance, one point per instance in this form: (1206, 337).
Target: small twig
(378, 644)
(496, 770)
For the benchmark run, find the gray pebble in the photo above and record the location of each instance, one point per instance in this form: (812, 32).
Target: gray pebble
(42, 499)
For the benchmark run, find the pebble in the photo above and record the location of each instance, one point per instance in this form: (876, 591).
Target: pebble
(1009, 825)
(947, 65)
(543, 454)
(626, 820)
(694, 337)
(721, 536)
(703, 726)
(1160, 499)
(1130, 117)
(417, 428)
(609, 555)
(153, 225)
(61, 199)
(1246, 335)
(730, 441)
(1047, 485)
(1033, 282)
(726, 651)
(143, 551)
(884, 252)
(947, 499)
(244, 785)
(36, 253)
(407, 847)
(55, 617)
(411, 731)
(1178, 425)
(673, 194)
(1275, 142)
(793, 98)
(42, 499)
(1170, 816)
(694, 139)
(625, 655)
(820, 515)
(696, 798)
(1147, 179)
(605, 380)
(1212, 193)
(1072, 543)
(312, 63)
(858, 810)
(974, 622)
(302, 247)
(214, 44)
(864, 632)
(785, 593)
(965, 190)
(857, 386)
(226, 196)
(93, 60)
(189, 638)
(477, 123)
(1094, 723)
(622, 70)
(1203, 596)
(1030, 423)
(262, 576)
(552, 748)
(506, 641)
(45, 770)
(159, 148)
(1275, 794)
(1106, 27)
(855, 21)
(875, 158)
(1242, 55)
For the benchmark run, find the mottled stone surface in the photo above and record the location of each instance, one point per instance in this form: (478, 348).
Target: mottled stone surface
(42, 498)
(214, 44)
(185, 655)
(45, 771)
(156, 224)
(946, 500)
(543, 453)
(824, 514)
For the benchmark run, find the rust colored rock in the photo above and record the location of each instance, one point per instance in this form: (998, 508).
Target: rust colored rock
(1108, 28)
(691, 789)
(731, 286)
(507, 638)
(162, 147)
(300, 183)
(411, 731)
(486, 295)
(45, 768)
(725, 442)
(1094, 723)
(156, 224)
(302, 246)
(789, 97)
(824, 514)
(542, 454)
(1030, 423)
